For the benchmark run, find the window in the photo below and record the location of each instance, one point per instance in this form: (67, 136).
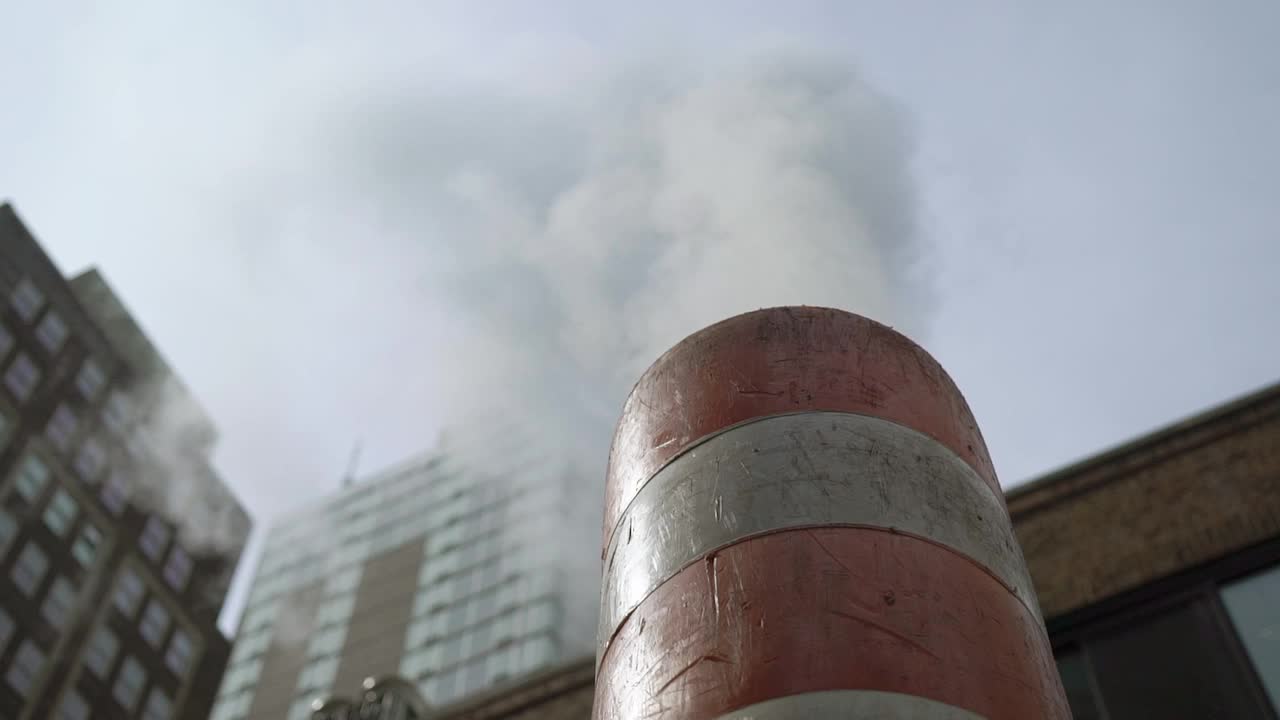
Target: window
(33, 475)
(249, 646)
(1078, 683)
(73, 707)
(536, 652)
(90, 379)
(319, 674)
(241, 676)
(6, 629)
(158, 707)
(327, 641)
(178, 568)
(116, 413)
(155, 623)
(115, 493)
(27, 299)
(102, 652)
(1252, 604)
(154, 538)
(129, 682)
(262, 616)
(128, 592)
(8, 529)
(61, 428)
(30, 568)
(178, 656)
(25, 667)
(58, 603)
(51, 332)
(90, 460)
(232, 707)
(6, 341)
(1172, 664)
(22, 377)
(85, 549)
(61, 513)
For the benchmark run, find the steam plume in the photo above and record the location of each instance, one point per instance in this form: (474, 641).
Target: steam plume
(496, 258)
(674, 204)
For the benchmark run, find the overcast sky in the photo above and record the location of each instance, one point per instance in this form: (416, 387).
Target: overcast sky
(346, 221)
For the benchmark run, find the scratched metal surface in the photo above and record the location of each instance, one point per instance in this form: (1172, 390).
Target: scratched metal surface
(811, 470)
(829, 609)
(777, 361)
(851, 705)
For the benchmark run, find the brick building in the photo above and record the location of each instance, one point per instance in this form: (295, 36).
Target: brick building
(109, 593)
(1157, 565)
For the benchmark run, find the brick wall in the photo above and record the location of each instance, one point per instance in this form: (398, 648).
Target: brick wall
(1194, 492)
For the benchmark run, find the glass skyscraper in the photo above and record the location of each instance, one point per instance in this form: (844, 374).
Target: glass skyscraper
(431, 571)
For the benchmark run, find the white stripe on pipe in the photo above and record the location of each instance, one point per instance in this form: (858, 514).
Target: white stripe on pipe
(851, 705)
(804, 470)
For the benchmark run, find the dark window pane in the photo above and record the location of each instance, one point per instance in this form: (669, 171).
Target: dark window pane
(1172, 665)
(1254, 606)
(1075, 680)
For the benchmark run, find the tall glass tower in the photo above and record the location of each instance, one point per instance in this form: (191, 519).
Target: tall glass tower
(432, 571)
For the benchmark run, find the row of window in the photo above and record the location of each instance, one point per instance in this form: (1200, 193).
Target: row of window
(301, 552)
(33, 476)
(371, 497)
(60, 514)
(460, 542)
(99, 656)
(425, 496)
(480, 672)
(443, 683)
(23, 375)
(441, 644)
(29, 661)
(159, 706)
(513, 579)
(104, 645)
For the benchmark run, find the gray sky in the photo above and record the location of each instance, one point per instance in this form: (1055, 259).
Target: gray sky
(345, 220)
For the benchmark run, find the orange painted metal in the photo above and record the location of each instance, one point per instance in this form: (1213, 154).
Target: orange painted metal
(829, 609)
(778, 361)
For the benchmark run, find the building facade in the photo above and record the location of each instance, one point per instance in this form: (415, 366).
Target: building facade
(429, 571)
(1157, 566)
(109, 593)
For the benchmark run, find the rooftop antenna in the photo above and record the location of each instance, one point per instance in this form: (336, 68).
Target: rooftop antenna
(350, 477)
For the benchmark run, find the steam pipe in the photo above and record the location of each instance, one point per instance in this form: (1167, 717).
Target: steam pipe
(802, 520)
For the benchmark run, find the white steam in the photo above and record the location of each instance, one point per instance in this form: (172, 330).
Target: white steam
(494, 261)
(673, 204)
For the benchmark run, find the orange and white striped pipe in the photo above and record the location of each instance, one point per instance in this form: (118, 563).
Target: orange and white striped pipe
(801, 520)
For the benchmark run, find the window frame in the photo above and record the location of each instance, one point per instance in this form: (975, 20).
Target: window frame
(27, 299)
(155, 615)
(153, 542)
(35, 672)
(64, 605)
(52, 332)
(94, 649)
(22, 389)
(19, 562)
(64, 510)
(90, 379)
(137, 597)
(1199, 584)
(62, 427)
(129, 662)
